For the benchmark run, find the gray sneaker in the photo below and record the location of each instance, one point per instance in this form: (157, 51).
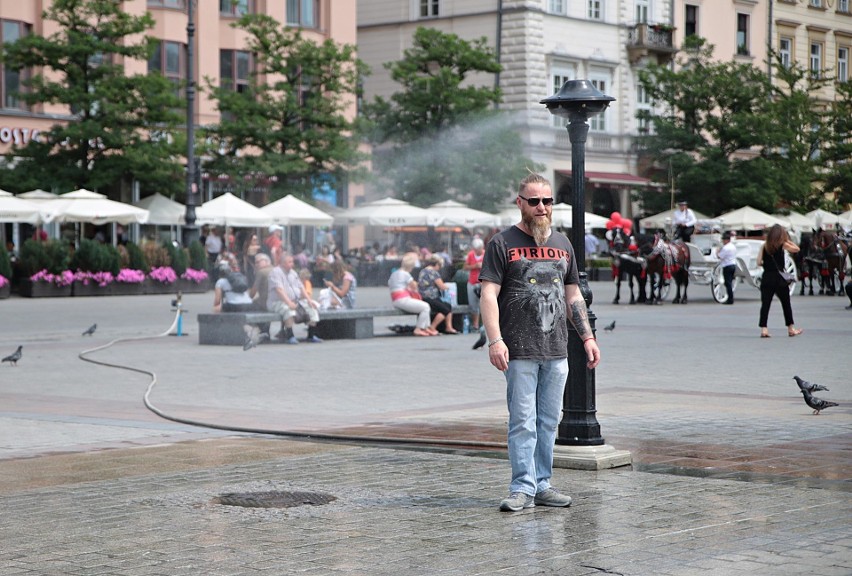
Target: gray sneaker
(551, 497)
(517, 501)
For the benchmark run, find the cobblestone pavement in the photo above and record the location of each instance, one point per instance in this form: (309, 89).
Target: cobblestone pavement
(731, 472)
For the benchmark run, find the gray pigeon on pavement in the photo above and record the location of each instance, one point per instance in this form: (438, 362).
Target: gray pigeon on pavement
(13, 357)
(610, 327)
(90, 330)
(817, 404)
(809, 386)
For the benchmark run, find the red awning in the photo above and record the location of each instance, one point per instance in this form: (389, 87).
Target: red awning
(617, 178)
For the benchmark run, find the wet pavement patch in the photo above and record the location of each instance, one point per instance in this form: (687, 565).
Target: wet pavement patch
(273, 499)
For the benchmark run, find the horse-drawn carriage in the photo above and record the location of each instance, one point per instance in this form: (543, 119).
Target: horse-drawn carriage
(748, 272)
(701, 267)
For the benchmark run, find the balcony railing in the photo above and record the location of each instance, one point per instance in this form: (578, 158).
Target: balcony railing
(651, 40)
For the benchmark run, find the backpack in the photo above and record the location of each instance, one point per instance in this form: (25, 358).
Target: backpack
(238, 282)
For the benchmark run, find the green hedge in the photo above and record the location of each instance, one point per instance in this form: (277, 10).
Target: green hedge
(51, 255)
(5, 263)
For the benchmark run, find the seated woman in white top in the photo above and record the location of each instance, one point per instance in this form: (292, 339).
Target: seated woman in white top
(402, 285)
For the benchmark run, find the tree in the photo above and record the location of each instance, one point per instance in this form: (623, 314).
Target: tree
(290, 121)
(799, 132)
(711, 122)
(120, 126)
(439, 137)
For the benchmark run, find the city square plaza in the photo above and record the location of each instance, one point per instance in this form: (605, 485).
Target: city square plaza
(731, 473)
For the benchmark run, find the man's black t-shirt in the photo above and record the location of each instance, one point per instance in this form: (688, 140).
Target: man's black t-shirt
(532, 279)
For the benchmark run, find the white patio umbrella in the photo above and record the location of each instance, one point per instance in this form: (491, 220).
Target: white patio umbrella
(385, 212)
(563, 217)
(452, 213)
(846, 220)
(664, 219)
(87, 206)
(14, 209)
(162, 211)
(825, 219)
(228, 210)
(796, 220)
(291, 211)
(748, 218)
(38, 195)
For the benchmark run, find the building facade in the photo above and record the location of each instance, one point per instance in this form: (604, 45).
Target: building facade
(817, 34)
(541, 44)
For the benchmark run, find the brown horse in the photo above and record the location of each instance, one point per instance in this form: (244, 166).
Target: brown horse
(666, 260)
(833, 251)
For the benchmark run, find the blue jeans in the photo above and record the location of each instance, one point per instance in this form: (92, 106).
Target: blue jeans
(534, 396)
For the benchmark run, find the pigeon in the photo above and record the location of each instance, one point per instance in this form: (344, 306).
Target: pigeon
(809, 386)
(13, 357)
(610, 327)
(817, 404)
(90, 330)
(481, 342)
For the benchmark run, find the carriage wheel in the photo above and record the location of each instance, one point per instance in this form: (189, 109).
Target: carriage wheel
(790, 266)
(717, 285)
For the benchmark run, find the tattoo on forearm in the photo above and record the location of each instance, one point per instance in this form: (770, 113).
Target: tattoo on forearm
(580, 318)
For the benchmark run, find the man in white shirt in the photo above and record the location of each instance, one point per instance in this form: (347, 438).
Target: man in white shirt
(684, 222)
(728, 262)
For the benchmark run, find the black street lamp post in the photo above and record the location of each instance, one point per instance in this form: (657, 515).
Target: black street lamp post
(190, 230)
(577, 100)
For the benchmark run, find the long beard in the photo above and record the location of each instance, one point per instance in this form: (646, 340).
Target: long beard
(540, 228)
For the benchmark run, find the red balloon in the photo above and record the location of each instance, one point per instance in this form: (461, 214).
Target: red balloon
(615, 216)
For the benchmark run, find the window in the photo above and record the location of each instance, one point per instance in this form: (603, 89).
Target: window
(168, 3)
(12, 80)
(303, 13)
(815, 3)
(234, 70)
(597, 123)
(558, 78)
(843, 64)
(642, 11)
(816, 59)
(430, 8)
(235, 7)
(843, 6)
(785, 51)
(169, 60)
(595, 9)
(690, 24)
(556, 6)
(742, 34)
(643, 104)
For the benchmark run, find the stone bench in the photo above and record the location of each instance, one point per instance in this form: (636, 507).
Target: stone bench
(226, 328)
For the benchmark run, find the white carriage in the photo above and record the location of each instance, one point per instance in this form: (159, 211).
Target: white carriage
(704, 265)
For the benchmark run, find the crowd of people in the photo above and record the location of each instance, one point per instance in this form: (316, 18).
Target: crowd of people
(254, 274)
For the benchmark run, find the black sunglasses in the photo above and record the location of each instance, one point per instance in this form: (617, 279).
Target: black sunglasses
(534, 201)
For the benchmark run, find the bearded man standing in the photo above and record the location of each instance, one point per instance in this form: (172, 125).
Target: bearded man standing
(530, 291)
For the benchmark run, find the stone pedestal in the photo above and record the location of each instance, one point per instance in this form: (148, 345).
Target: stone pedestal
(590, 457)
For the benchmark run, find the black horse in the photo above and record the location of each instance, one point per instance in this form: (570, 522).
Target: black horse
(625, 263)
(833, 250)
(808, 264)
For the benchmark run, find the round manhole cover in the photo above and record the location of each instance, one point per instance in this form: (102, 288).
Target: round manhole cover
(274, 499)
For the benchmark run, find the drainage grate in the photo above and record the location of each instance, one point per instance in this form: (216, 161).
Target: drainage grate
(273, 499)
